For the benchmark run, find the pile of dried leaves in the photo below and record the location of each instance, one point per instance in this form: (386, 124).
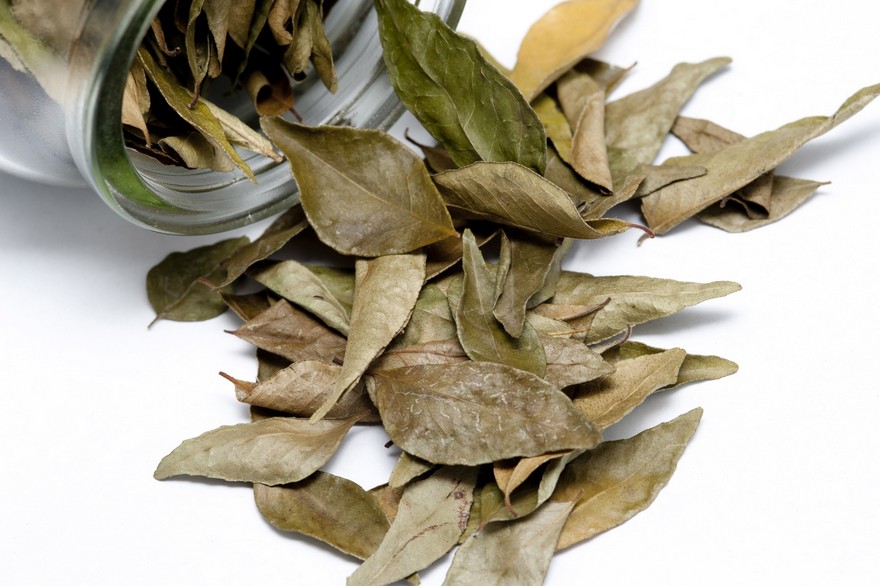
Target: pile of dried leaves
(494, 378)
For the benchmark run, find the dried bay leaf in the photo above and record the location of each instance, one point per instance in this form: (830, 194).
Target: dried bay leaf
(583, 101)
(431, 516)
(459, 97)
(513, 195)
(482, 336)
(570, 362)
(632, 300)
(249, 305)
(299, 285)
(476, 412)
(199, 116)
(607, 400)
(407, 469)
(385, 293)
(302, 387)
(363, 192)
(636, 125)
(196, 152)
(279, 233)
(174, 288)
(284, 330)
(535, 264)
(695, 367)
(510, 474)
(517, 553)
(434, 352)
(787, 194)
(330, 508)
(563, 36)
(136, 100)
(619, 479)
(272, 451)
(739, 164)
(321, 54)
(431, 319)
(556, 126)
(388, 499)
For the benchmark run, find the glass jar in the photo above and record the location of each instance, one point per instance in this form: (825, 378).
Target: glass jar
(63, 67)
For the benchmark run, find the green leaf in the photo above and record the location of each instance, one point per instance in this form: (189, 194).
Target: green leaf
(620, 479)
(459, 97)
(332, 509)
(175, 288)
(431, 319)
(476, 412)
(363, 192)
(272, 451)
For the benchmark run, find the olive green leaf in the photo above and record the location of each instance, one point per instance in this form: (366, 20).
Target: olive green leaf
(272, 451)
(238, 21)
(739, 164)
(512, 195)
(174, 286)
(570, 362)
(431, 319)
(632, 300)
(299, 285)
(619, 479)
(321, 54)
(517, 553)
(432, 515)
(199, 116)
(279, 233)
(284, 330)
(511, 474)
(607, 400)
(459, 97)
(407, 469)
(583, 101)
(476, 412)
(388, 499)
(695, 367)
(239, 133)
(567, 33)
(385, 293)
(434, 352)
(787, 194)
(637, 125)
(535, 266)
(556, 126)
(340, 282)
(444, 254)
(481, 335)
(302, 387)
(196, 152)
(363, 192)
(332, 509)
(249, 305)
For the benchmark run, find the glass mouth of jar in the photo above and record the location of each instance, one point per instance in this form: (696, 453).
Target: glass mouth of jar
(186, 201)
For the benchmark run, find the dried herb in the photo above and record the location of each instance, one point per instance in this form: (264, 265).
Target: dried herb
(492, 369)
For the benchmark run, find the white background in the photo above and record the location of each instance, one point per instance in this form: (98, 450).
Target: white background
(779, 485)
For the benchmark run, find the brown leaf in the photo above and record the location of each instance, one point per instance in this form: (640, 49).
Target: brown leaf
(694, 368)
(476, 412)
(289, 332)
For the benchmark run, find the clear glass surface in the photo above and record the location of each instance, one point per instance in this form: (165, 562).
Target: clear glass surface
(63, 65)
